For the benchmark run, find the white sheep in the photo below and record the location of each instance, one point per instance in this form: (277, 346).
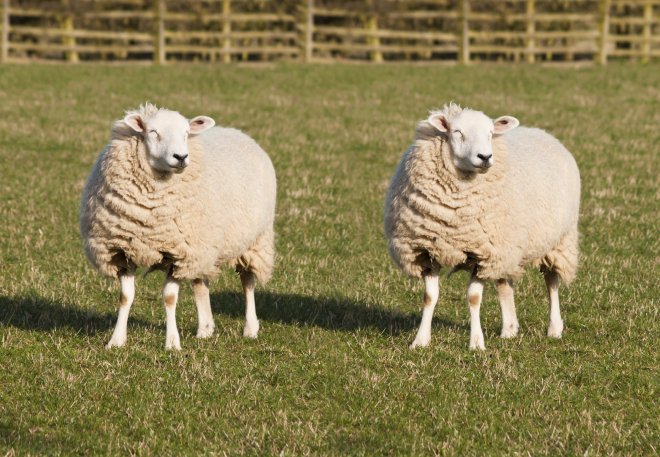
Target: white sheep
(468, 196)
(184, 197)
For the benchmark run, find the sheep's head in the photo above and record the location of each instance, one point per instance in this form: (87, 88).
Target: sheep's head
(165, 134)
(470, 134)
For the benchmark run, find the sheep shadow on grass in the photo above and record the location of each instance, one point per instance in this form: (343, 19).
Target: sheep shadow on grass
(38, 313)
(334, 313)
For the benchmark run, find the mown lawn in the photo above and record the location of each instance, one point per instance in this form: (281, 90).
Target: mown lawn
(331, 372)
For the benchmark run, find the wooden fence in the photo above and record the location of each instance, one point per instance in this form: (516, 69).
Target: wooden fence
(329, 30)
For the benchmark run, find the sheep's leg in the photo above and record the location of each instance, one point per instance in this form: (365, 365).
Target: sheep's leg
(556, 326)
(251, 328)
(431, 294)
(509, 319)
(126, 296)
(170, 297)
(205, 325)
(474, 294)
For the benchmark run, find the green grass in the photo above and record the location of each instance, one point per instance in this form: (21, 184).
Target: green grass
(330, 372)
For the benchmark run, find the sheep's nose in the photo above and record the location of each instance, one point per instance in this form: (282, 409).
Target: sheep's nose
(180, 158)
(483, 157)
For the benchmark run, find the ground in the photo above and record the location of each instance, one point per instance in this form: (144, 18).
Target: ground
(331, 372)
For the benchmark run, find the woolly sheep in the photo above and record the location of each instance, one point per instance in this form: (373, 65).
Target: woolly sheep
(477, 194)
(183, 197)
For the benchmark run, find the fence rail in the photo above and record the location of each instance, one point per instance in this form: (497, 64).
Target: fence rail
(324, 30)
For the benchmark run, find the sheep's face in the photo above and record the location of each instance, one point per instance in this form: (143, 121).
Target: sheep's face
(165, 136)
(470, 134)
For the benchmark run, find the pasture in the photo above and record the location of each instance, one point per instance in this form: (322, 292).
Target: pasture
(331, 372)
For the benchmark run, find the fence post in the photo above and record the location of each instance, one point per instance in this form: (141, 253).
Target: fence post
(159, 32)
(531, 31)
(308, 27)
(226, 31)
(373, 39)
(648, 19)
(465, 32)
(4, 37)
(604, 31)
(69, 39)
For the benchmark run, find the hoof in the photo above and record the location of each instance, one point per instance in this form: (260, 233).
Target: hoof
(477, 343)
(172, 342)
(251, 329)
(420, 341)
(510, 331)
(116, 342)
(205, 332)
(555, 329)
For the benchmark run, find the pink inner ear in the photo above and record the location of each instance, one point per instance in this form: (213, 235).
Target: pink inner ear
(503, 125)
(443, 126)
(135, 122)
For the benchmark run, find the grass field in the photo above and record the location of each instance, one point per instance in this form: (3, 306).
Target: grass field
(331, 372)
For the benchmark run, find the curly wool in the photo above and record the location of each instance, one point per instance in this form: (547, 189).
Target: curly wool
(522, 212)
(219, 211)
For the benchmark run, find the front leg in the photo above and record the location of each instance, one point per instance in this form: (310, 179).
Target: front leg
(205, 325)
(170, 297)
(126, 296)
(474, 294)
(431, 294)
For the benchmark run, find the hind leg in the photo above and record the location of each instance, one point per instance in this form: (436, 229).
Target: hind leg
(255, 265)
(556, 326)
(509, 318)
(251, 328)
(205, 325)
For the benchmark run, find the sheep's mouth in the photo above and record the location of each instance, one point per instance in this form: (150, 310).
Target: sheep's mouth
(483, 167)
(178, 168)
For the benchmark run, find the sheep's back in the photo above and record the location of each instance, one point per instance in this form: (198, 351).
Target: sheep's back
(237, 196)
(240, 172)
(542, 190)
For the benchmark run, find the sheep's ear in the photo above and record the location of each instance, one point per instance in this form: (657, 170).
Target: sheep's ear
(439, 121)
(200, 123)
(135, 122)
(504, 123)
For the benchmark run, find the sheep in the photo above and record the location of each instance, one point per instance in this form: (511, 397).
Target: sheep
(184, 197)
(482, 195)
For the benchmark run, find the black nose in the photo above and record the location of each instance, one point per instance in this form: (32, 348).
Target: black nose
(180, 158)
(481, 156)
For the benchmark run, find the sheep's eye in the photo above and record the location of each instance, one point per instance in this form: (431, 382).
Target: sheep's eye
(461, 134)
(155, 133)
